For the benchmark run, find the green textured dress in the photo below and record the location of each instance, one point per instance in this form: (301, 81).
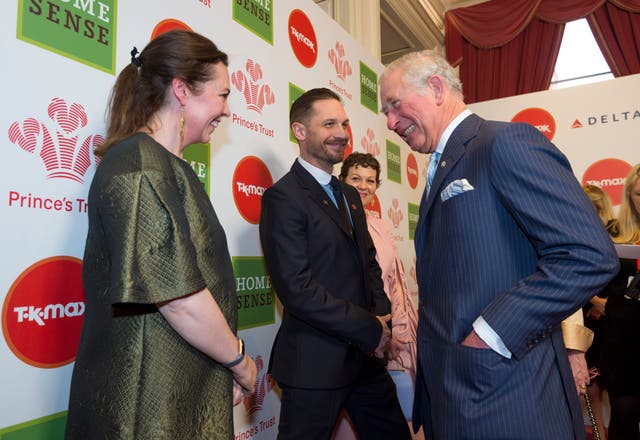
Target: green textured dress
(153, 236)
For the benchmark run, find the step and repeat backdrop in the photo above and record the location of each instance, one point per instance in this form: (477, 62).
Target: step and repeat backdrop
(597, 126)
(61, 58)
(60, 61)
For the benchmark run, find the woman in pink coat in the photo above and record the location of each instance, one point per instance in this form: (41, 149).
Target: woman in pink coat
(362, 171)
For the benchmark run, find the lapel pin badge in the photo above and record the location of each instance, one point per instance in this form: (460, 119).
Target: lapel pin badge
(354, 207)
(443, 164)
(325, 202)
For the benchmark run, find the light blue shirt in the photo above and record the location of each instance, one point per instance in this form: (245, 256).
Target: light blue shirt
(321, 176)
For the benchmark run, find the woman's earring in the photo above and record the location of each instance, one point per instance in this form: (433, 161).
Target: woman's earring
(181, 126)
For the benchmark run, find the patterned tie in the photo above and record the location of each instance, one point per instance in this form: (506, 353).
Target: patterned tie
(434, 160)
(337, 193)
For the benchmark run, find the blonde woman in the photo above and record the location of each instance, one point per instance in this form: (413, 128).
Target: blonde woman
(621, 323)
(629, 217)
(595, 309)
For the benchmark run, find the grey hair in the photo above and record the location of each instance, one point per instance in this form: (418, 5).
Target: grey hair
(419, 66)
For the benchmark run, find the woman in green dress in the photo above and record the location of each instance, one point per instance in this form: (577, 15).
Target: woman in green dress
(159, 357)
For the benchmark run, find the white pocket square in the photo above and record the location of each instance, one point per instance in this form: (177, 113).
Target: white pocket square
(455, 188)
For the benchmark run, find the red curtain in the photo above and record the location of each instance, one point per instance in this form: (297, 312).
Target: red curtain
(510, 47)
(616, 27)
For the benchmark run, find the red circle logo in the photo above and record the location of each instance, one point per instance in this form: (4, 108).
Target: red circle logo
(250, 180)
(375, 206)
(302, 38)
(539, 118)
(170, 24)
(608, 174)
(43, 311)
(349, 147)
(412, 171)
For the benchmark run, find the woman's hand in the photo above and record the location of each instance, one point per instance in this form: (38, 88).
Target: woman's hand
(238, 393)
(245, 373)
(597, 309)
(579, 370)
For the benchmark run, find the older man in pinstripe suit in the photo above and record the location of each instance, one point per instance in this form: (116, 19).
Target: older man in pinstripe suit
(507, 247)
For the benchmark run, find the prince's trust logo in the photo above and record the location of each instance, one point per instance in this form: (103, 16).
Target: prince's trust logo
(395, 213)
(256, 95)
(65, 151)
(369, 143)
(254, 402)
(342, 66)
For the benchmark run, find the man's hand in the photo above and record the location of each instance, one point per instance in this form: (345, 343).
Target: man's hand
(473, 340)
(384, 337)
(396, 346)
(579, 370)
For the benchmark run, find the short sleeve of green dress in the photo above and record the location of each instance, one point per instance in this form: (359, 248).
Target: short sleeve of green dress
(153, 236)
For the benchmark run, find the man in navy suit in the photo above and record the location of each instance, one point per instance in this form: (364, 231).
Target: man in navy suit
(507, 247)
(321, 259)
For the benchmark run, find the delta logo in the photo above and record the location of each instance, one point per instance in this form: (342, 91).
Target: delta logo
(395, 213)
(539, 118)
(369, 143)
(609, 118)
(412, 171)
(608, 174)
(256, 16)
(256, 95)
(302, 38)
(60, 142)
(43, 311)
(250, 180)
(83, 31)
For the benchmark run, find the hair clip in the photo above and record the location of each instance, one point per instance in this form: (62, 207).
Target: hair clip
(135, 60)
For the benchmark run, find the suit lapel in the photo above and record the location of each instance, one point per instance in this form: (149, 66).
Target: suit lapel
(319, 196)
(453, 152)
(355, 211)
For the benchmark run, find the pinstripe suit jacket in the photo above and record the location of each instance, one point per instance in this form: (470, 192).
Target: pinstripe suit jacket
(524, 249)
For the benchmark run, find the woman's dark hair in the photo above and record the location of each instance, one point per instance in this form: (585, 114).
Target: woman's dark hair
(356, 159)
(140, 89)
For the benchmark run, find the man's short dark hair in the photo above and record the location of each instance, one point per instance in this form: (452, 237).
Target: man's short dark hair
(301, 108)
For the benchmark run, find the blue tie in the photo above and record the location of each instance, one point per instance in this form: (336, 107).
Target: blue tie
(434, 160)
(337, 193)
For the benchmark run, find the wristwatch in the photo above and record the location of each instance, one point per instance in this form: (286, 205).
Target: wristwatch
(238, 358)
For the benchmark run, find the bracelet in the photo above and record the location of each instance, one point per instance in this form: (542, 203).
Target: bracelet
(238, 358)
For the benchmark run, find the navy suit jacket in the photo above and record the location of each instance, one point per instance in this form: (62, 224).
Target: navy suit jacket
(328, 283)
(523, 249)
